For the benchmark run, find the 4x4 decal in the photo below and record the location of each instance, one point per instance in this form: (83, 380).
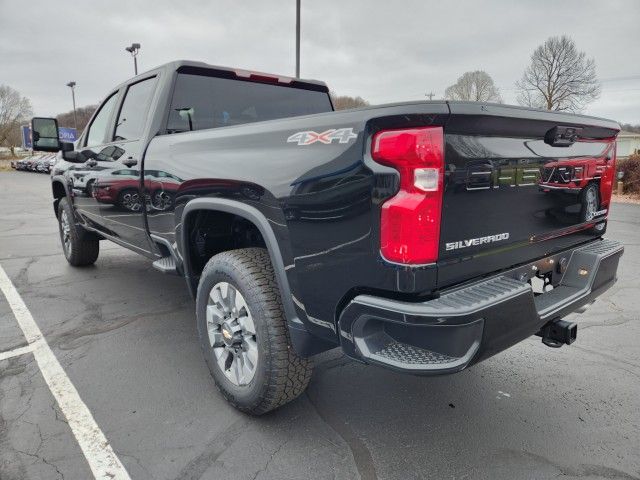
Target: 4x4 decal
(343, 135)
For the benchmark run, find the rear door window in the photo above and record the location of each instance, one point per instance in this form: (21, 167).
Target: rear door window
(201, 101)
(133, 114)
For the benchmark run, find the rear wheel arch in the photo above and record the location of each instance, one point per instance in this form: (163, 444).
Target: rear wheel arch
(303, 342)
(236, 209)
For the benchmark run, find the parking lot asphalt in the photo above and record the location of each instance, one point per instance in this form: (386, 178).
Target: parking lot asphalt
(125, 336)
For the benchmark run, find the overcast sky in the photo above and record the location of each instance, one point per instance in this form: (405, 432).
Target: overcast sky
(382, 50)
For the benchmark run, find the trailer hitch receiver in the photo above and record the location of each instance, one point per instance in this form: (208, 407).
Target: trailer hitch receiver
(558, 332)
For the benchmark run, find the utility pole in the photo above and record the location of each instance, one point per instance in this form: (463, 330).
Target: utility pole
(430, 95)
(72, 86)
(133, 50)
(297, 38)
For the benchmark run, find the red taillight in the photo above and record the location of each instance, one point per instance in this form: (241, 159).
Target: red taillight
(608, 178)
(410, 220)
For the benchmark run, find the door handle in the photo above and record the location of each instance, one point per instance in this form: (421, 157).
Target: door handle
(130, 162)
(91, 163)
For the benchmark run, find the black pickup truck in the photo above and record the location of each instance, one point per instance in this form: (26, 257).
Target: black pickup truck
(422, 237)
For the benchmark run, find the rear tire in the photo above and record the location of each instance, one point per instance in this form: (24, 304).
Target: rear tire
(79, 249)
(249, 324)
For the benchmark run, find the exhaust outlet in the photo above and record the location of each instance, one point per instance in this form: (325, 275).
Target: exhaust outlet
(558, 332)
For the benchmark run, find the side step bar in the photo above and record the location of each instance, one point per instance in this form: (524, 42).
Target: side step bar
(166, 265)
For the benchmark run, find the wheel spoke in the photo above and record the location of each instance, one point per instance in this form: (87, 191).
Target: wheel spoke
(239, 304)
(215, 337)
(214, 315)
(216, 296)
(224, 296)
(247, 324)
(238, 367)
(251, 352)
(222, 359)
(247, 372)
(230, 370)
(230, 298)
(246, 368)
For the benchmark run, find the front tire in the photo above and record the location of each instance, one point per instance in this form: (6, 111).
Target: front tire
(80, 250)
(244, 335)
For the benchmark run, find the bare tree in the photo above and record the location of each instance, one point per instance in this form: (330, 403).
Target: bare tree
(344, 102)
(475, 86)
(14, 109)
(83, 115)
(14, 137)
(628, 127)
(559, 77)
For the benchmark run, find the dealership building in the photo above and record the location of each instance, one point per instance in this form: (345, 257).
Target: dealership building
(627, 144)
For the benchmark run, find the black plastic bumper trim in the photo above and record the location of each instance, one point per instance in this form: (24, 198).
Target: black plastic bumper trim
(472, 322)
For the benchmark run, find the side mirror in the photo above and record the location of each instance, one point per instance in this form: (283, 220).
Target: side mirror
(44, 132)
(69, 154)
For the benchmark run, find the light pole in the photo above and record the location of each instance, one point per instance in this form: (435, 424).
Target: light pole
(72, 86)
(297, 38)
(133, 50)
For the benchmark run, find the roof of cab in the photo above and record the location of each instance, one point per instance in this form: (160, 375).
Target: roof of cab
(176, 64)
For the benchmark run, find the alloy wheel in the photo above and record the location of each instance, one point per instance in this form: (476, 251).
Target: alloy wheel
(131, 201)
(232, 333)
(65, 232)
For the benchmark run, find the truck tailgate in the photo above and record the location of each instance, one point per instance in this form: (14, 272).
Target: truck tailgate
(511, 196)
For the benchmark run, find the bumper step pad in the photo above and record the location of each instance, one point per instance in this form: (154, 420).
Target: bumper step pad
(410, 355)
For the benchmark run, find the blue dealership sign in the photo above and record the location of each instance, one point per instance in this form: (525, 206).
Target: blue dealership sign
(64, 134)
(67, 134)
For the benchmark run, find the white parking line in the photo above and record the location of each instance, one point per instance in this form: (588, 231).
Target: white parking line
(94, 445)
(16, 352)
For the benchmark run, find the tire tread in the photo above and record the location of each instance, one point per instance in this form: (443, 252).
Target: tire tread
(84, 249)
(288, 374)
